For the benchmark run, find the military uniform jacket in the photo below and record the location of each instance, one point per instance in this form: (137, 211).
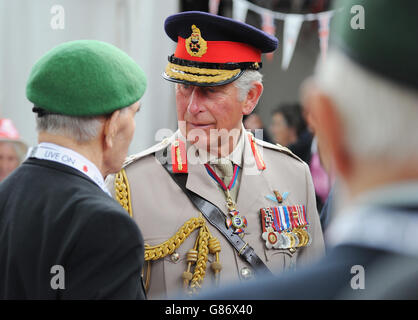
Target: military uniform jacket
(53, 215)
(160, 208)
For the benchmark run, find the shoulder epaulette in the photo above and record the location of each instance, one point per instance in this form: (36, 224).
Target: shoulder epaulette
(157, 147)
(277, 147)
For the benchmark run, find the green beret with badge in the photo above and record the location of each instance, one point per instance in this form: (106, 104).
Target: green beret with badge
(84, 78)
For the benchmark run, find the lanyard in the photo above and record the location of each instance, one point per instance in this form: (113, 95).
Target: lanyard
(219, 180)
(68, 157)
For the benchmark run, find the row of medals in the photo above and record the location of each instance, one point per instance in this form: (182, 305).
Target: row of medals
(297, 237)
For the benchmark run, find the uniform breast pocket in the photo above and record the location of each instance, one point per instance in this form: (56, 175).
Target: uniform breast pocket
(279, 260)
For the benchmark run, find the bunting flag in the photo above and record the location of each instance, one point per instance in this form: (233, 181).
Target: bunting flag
(323, 32)
(268, 27)
(239, 10)
(214, 6)
(292, 24)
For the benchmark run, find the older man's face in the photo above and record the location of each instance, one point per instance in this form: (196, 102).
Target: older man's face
(206, 109)
(9, 159)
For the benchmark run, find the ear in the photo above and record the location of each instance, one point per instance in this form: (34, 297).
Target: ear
(329, 129)
(110, 128)
(252, 98)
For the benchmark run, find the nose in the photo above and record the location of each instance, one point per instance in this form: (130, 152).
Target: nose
(196, 102)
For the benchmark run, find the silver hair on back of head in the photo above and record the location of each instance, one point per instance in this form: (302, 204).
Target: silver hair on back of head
(246, 81)
(379, 115)
(81, 129)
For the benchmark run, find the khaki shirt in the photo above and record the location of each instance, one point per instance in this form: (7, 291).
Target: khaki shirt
(160, 208)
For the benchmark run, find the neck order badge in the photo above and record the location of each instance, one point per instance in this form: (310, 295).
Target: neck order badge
(234, 219)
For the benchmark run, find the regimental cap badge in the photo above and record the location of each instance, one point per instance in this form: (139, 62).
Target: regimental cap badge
(196, 46)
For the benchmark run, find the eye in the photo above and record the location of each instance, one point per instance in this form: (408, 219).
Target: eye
(210, 90)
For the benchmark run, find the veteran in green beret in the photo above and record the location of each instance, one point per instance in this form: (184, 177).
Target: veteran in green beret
(216, 204)
(62, 235)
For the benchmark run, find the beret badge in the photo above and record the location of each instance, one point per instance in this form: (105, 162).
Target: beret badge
(196, 46)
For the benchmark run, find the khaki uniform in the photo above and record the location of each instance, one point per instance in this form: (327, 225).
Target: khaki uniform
(160, 208)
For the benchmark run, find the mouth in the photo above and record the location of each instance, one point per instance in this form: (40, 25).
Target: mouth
(200, 125)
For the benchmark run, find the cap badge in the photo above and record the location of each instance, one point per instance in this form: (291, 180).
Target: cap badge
(196, 46)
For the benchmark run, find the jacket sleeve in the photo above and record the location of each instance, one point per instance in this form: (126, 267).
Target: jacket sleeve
(107, 260)
(316, 250)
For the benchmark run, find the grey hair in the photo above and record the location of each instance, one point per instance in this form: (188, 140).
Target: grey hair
(81, 129)
(246, 81)
(379, 115)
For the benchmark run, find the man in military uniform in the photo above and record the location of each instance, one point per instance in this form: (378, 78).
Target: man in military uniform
(267, 219)
(363, 103)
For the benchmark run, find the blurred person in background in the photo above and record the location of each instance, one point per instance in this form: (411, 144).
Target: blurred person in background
(286, 125)
(363, 105)
(290, 128)
(12, 148)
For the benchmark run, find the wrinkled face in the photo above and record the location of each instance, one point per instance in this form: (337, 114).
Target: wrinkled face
(123, 136)
(9, 160)
(281, 132)
(202, 110)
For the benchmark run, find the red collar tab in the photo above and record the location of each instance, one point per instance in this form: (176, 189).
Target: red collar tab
(258, 159)
(218, 52)
(179, 156)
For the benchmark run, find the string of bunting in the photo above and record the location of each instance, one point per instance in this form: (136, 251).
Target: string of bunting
(292, 25)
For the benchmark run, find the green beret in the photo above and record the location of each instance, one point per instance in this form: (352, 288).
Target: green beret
(85, 78)
(388, 43)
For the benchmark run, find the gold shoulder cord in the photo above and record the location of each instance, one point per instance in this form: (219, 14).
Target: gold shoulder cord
(204, 244)
(122, 192)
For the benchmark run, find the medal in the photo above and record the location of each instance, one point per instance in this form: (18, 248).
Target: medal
(234, 218)
(273, 238)
(291, 238)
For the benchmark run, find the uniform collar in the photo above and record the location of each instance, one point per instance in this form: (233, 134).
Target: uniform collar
(204, 157)
(380, 219)
(396, 194)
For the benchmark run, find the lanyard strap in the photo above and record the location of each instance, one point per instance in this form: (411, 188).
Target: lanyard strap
(215, 177)
(68, 157)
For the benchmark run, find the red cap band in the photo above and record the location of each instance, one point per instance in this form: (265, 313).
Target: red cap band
(221, 52)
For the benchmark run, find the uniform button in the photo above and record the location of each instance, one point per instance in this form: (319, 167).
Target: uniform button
(292, 250)
(175, 257)
(246, 273)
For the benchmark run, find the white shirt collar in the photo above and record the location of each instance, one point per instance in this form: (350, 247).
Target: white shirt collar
(68, 157)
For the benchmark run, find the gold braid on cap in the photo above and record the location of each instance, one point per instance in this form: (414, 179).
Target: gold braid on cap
(199, 75)
(204, 244)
